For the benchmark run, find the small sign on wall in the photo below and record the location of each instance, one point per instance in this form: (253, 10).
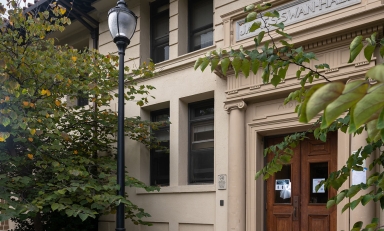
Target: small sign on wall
(222, 182)
(282, 184)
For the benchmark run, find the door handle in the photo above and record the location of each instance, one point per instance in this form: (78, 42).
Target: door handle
(295, 216)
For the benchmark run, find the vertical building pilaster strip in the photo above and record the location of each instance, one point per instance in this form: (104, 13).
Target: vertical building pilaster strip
(236, 166)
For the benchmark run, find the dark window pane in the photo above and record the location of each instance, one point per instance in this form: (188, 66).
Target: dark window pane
(204, 111)
(159, 166)
(283, 185)
(202, 39)
(160, 116)
(200, 24)
(160, 31)
(201, 149)
(82, 101)
(202, 163)
(318, 172)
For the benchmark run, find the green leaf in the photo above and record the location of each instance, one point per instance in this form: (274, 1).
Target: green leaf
(197, 63)
(381, 51)
(214, 63)
(369, 105)
(380, 120)
(283, 71)
(249, 8)
(322, 97)
(83, 216)
(273, 14)
(358, 224)
(302, 112)
(340, 197)
(353, 190)
(352, 93)
(368, 51)
(284, 34)
(55, 206)
(255, 26)
(355, 47)
(251, 16)
(255, 66)
(330, 203)
(355, 203)
(367, 198)
(260, 37)
(279, 25)
(236, 64)
(265, 75)
(246, 65)
(6, 121)
(224, 65)
(376, 73)
(276, 79)
(204, 64)
(298, 73)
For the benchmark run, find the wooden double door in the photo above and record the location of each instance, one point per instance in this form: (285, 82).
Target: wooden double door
(292, 201)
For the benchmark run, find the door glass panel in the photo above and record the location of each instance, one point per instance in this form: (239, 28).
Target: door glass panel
(283, 185)
(318, 172)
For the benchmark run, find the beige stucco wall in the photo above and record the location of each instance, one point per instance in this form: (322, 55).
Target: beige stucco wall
(246, 111)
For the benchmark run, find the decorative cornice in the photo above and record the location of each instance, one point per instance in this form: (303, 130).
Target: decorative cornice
(236, 104)
(345, 37)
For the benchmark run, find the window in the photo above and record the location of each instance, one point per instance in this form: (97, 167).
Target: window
(200, 24)
(160, 31)
(201, 142)
(159, 159)
(82, 99)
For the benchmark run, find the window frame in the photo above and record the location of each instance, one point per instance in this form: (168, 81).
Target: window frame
(153, 16)
(191, 32)
(192, 120)
(152, 181)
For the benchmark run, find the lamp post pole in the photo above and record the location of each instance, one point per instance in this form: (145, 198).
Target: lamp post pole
(122, 24)
(121, 45)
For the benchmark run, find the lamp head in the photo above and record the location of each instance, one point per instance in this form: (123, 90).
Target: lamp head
(122, 22)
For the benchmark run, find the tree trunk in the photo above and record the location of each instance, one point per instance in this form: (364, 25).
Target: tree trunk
(37, 223)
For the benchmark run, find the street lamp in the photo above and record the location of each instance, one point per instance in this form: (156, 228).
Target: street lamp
(122, 25)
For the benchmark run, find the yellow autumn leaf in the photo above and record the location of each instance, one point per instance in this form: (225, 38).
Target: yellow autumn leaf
(2, 139)
(39, 120)
(30, 139)
(25, 103)
(74, 58)
(43, 92)
(32, 105)
(57, 102)
(32, 131)
(75, 152)
(62, 10)
(30, 156)
(47, 115)
(7, 98)
(48, 92)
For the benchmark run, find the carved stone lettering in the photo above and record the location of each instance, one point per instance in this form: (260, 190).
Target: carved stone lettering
(293, 14)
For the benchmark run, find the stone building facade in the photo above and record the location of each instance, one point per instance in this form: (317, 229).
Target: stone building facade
(220, 124)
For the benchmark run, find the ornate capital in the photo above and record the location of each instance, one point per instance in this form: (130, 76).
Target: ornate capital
(233, 105)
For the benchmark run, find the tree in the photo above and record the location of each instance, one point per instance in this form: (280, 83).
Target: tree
(56, 158)
(350, 107)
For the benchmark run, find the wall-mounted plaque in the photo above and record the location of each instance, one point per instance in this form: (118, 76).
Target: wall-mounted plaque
(222, 182)
(292, 13)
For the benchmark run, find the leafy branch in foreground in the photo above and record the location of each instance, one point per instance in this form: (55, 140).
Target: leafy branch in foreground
(350, 107)
(56, 158)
